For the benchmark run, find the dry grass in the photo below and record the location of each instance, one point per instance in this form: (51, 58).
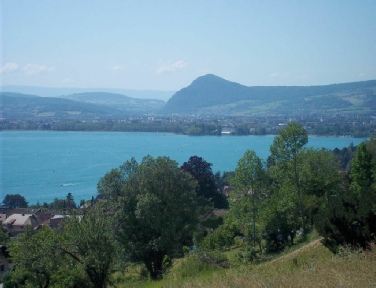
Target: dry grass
(314, 266)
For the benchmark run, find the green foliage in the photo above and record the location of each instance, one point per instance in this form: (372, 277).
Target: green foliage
(199, 262)
(319, 177)
(88, 241)
(207, 186)
(280, 219)
(14, 201)
(361, 170)
(348, 217)
(288, 143)
(110, 185)
(35, 256)
(221, 238)
(189, 266)
(284, 152)
(250, 183)
(156, 212)
(248, 254)
(345, 156)
(4, 237)
(212, 222)
(81, 255)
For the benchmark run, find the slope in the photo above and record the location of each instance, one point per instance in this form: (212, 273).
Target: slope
(118, 101)
(312, 265)
(211, 94)
(15, 106)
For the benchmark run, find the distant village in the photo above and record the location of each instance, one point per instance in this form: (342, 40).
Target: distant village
(351, 125)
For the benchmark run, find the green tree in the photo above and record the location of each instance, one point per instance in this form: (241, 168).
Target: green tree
(319, 174)
(361, 170)
(156, 212)
(279, 218)
(284, 153)
(69, 201)
(348, 217)
(14, 201)
(249, 182)
(110, 186)
(207, 186)
(39, 262)
(221, 238)
(89, 242)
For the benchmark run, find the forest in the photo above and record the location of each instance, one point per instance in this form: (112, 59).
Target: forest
(151, 215)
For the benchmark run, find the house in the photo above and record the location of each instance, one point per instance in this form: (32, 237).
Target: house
(55, 222)
(228, 130)
(227, 190)
(16, 223)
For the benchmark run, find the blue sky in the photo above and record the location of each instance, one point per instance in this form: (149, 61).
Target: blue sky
(165, 45)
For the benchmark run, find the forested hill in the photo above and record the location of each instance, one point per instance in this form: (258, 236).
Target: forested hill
(214, 95)
(16, 106)
(118, 101)
(84, 106)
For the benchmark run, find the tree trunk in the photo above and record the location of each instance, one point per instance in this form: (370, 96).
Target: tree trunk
(155, 265)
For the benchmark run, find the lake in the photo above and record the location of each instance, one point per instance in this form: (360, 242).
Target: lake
(45, 165)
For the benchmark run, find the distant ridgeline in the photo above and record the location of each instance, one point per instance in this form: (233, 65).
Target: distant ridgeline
(207, 95)
(83, 106)
(210, 94)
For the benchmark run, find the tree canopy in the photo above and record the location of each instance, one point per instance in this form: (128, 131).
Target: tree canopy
(14, 201)
(156, 211)
(207, 186)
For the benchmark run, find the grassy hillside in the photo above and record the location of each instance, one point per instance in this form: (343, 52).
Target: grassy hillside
(311, 265)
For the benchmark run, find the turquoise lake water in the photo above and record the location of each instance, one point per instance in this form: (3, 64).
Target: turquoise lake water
(44, 165)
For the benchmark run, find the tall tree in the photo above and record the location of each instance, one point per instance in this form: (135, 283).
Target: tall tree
(207, 187)
(89, 242)
(284, 153)
(319, 174)
(14, 201)
(156, 212)
(249, 181)
(362, 169)
(110, 186)
(279, 218)
(348, 216)
(69, 201)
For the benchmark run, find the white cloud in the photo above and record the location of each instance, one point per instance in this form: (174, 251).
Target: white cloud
(35, 69)
(9, 67)
(115, 68)
(166, 68)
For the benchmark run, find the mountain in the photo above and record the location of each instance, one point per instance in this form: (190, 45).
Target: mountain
(84, 106)
(16, 106)
(211, 94)
(56, 92)
(118, 101)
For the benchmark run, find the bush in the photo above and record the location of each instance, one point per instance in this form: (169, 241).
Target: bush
(221, 238)
(249, 254)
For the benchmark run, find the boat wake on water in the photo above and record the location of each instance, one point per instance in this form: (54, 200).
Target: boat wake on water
(69, 184)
